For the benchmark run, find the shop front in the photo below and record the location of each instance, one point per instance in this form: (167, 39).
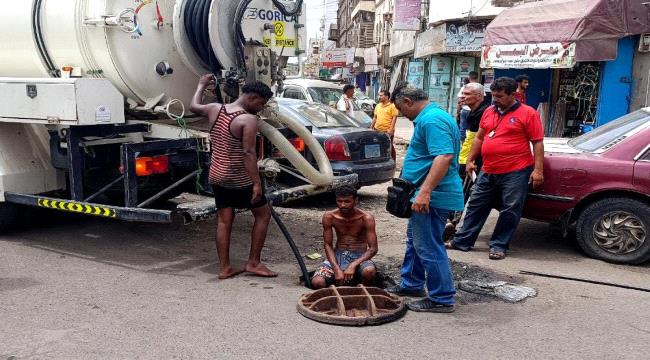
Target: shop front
(578, 55)
(444, 57)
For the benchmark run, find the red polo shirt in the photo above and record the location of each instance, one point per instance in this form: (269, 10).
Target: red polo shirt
(520, 96)
(506, 144)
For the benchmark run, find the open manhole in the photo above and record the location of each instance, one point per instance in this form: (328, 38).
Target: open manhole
(351, 306)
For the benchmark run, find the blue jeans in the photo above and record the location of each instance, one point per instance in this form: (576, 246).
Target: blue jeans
(507, 191)
(426, 259)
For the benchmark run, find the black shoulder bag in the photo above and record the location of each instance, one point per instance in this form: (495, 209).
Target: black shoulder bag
(399, 198)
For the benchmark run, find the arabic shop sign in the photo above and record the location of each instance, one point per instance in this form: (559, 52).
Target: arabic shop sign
(465, 37)
(334, 58)
(407, 15)
(529, 56)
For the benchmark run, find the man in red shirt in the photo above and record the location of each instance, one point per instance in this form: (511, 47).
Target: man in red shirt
(522, 85)
(504, 139)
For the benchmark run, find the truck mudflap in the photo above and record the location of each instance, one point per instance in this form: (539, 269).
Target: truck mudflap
(187, 207)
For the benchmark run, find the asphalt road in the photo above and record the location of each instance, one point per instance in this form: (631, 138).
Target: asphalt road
(87, 288)
(95, 289)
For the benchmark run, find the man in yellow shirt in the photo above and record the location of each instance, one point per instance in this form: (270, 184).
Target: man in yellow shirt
(385, 118)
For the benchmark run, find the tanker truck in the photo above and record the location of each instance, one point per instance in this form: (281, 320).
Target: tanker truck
(94, 98)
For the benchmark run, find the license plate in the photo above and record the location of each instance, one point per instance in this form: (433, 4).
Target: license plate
(372, 151)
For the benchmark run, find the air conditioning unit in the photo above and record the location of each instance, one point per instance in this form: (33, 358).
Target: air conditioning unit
(644, 43)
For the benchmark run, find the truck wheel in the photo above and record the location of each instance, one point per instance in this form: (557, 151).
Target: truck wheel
(8, 216)
(616, 230)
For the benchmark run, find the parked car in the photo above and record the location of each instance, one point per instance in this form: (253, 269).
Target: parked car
(319, 91)
(350, 147)
(365, 103)
(600, 183)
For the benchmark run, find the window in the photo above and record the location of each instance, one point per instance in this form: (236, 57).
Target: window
(607, 136)
(293, 93)
(646, 155)
(328, 96)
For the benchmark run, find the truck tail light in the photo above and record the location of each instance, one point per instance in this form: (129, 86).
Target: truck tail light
(336, 148)
(146, 166)
(160, 164)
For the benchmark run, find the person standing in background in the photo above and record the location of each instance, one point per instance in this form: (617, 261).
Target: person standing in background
(385, 118)
(522, 85)
(463, 109)
(345, 102)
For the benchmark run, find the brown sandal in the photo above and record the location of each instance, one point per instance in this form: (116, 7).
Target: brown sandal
(497, 255)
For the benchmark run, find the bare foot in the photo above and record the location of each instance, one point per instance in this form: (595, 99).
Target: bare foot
(229, 272)
(260, 270)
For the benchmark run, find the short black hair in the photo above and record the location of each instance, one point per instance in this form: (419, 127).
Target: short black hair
(505, 84)
(348, 87)
(258, 88)
(386, 92)
(473, 75)
(521, 78)
(345, 191)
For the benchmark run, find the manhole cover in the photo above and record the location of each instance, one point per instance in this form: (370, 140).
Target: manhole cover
(352, 306)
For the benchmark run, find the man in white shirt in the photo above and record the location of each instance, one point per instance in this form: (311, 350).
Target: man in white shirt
(345, 103)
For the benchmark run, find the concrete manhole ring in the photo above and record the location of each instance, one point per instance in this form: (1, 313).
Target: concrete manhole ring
(351, 306)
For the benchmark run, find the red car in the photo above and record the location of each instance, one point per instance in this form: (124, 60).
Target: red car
(600, 183)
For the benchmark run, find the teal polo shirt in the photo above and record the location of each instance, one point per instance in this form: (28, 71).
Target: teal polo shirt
(435, 133)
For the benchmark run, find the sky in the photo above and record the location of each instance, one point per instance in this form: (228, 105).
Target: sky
(315, 10)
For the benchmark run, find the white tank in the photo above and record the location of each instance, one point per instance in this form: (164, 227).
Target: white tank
(98, 38)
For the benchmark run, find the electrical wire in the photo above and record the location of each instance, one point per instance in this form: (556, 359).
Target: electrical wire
(135, 16)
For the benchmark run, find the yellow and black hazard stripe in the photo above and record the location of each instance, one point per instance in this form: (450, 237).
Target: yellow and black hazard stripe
(76, 207)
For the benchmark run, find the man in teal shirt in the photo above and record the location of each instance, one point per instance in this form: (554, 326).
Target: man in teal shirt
(431, 163)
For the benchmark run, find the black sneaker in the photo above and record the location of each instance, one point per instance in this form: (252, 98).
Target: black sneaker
(397, 290)
(428, 305)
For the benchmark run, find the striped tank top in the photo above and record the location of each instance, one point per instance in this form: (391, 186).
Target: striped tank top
(227, 160)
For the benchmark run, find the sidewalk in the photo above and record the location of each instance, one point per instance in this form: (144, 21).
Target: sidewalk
(404, 128)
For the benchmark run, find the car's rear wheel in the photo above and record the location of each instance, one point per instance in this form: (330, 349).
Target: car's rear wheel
(615, 230)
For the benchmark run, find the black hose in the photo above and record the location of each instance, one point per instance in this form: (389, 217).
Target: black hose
(40, 42)
(239, 33)
(283, 9)
(196, 22)
(287, 235)
(292, 244)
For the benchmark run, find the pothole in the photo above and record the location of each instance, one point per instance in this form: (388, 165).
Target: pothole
(474, 284)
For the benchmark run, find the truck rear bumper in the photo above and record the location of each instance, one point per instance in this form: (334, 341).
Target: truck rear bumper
(85, 208)
(185, 208)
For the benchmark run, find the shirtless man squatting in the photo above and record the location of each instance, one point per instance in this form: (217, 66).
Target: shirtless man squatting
(356, 243)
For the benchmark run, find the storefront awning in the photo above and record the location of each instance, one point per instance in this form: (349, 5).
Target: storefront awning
(595, 26)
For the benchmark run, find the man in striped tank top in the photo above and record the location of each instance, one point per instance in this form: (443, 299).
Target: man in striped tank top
(233, 170)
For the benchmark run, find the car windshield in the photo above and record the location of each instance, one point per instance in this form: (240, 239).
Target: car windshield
(322, 116)
(326, 96)
(361, 96)
(610, 134)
